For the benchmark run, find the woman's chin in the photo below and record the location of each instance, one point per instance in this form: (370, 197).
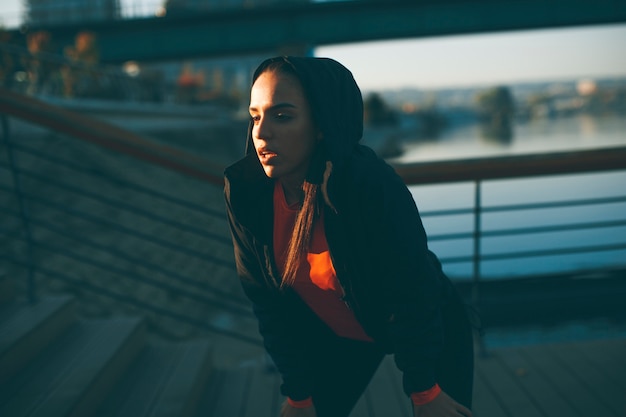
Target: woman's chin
(270, 171)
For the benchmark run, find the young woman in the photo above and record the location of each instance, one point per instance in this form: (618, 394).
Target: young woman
(332, 253)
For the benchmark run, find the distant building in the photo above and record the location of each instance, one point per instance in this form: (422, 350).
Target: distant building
(221, 77)
(54, 12)
(227, 77)
(586, 87)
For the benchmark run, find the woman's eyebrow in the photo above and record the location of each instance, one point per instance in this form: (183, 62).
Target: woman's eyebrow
(276, 106)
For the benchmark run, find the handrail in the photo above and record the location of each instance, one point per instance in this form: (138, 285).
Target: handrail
(90, 252)
(515, 166)
(120, 140)
(95, 173)
(108, 136)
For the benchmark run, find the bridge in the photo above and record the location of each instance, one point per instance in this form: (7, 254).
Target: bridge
(284, 27)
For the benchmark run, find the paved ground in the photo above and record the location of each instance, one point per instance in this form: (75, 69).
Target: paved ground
(547, 380)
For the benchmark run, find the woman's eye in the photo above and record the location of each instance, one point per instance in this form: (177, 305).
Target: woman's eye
(283, 116)
(280, 117)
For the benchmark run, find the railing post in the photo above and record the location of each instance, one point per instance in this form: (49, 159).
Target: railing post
(477, 260)
(31, 285)
(477, 227)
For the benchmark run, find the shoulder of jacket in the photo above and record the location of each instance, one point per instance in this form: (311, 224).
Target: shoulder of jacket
(368, 171)
(364, 180)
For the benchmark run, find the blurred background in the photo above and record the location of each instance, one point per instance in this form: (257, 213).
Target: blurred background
(506, 119)
(457, 89)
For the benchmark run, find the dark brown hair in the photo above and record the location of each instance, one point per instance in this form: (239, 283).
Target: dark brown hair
(309, 211)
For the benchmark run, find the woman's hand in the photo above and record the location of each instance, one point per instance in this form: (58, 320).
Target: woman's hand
(289, 411)
(442, 406)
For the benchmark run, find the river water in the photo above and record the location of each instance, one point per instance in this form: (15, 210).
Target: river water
(582, 132)
(538, 136)
(565, 134)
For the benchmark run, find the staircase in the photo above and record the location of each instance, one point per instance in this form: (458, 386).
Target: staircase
(55, 364)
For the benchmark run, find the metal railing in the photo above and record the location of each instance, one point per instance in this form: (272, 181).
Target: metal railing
(478, 172)
(128, 224)
(143, 226)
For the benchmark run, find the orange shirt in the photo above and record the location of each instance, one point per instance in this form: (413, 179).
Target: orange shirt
(316, 281)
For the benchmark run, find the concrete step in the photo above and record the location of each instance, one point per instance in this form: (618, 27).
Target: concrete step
(241, 392)
(74, 374)
(26, 329)
(166, 380)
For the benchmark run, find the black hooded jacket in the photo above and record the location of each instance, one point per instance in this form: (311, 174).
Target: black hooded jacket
(393, 283)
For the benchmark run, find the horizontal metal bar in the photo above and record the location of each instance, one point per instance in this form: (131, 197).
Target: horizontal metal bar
(533, 254)
(143, 305)
(451, 236)
(117, 181)
(123, 229)
(448, 212)
(523, 207)
(559, 228)
(200, 286)
(554, 204)
(456, 259)
(528, 230)
(195, 296)
(120, 205)
(552, 252)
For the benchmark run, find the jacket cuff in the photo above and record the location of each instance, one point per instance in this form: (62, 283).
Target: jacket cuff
(296, 392)
(424, 397)
(306, 403)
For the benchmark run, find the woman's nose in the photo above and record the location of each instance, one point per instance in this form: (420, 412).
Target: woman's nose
(262, 129)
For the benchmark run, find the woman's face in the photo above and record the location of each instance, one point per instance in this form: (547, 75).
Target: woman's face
(283, 133)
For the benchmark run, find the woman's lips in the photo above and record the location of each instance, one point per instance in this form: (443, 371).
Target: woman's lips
(266, 155)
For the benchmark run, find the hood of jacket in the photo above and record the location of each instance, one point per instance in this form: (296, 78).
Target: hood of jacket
(337, 106)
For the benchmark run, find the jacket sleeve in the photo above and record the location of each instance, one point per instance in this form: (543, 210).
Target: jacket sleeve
(412, 283)
(280, 333)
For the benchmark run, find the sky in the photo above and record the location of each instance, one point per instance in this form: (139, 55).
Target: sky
(459, 61)
(486, 59)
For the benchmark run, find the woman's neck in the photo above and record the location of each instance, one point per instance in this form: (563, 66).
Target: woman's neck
(293, 192)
